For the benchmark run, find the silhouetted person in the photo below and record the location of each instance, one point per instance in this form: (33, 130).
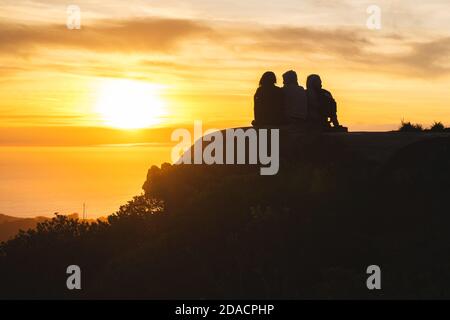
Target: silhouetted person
(268, 102)
(322, 108)
(295, 101)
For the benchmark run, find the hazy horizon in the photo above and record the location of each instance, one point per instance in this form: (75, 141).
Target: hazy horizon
(39, 181)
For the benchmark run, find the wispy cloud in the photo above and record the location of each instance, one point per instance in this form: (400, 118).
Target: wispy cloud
(180, 40)
(141, 35)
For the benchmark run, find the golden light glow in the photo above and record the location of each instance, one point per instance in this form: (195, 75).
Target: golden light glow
(129, 104)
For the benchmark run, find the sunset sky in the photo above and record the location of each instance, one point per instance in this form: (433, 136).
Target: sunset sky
(203, 60)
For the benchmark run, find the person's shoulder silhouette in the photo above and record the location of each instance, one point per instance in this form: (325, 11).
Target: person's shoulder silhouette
(268, 101)
(295, 101)
(321, 104)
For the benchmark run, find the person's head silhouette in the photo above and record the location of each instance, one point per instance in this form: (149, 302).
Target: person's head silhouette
(268, 79)
(314, 82)
(290, 78)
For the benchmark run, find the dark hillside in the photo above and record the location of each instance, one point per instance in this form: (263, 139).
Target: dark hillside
(338, 204)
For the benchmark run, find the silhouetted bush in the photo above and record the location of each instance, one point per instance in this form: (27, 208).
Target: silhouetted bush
(410, 127)
(437, 127)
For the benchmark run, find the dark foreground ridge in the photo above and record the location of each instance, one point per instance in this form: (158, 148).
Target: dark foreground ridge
(375, 148)
(340, 203)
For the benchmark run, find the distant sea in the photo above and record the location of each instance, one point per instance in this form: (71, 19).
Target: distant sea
(39, 181)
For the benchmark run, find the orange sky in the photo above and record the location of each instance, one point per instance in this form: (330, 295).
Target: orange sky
(206, 57)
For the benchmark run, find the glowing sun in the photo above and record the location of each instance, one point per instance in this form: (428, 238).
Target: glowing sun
(129, 104)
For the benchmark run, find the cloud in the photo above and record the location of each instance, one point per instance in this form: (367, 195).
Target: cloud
(9, 70)
(420, 59)
(430, 58)
(222, 46)
(9, 118)
(338, 42)
(140, 35)
(357, 48)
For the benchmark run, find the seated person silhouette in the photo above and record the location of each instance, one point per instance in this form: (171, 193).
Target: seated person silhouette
(295, 101)
(322, 108)
(268, 102)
